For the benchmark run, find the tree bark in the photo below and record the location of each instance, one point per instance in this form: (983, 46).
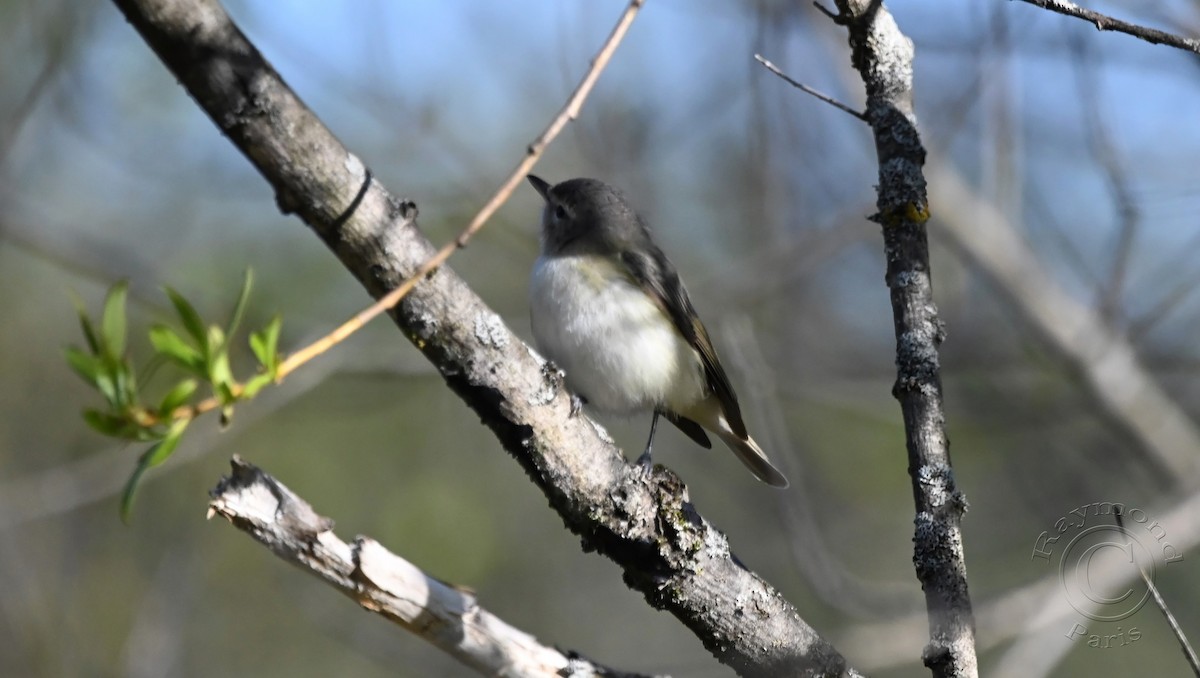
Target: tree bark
(448, 617)
(883, 56)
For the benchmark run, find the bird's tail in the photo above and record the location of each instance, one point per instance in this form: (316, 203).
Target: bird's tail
(753, 457)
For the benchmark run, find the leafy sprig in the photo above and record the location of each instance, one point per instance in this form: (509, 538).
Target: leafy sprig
(199, 352)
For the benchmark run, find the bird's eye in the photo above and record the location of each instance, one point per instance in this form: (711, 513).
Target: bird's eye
(560, 212)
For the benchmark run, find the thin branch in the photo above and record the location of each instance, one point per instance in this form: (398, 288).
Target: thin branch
(1106, 23)
(533, 153)
(883, 56)
(1030, 619)
(446, 616)
(1188, 652)
(1185, 646)
(1039, 648)
(645, 523)
(834, 17)
(97, 477)
(808, 90)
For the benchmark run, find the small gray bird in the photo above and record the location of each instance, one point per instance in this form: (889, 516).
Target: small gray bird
(610, 310)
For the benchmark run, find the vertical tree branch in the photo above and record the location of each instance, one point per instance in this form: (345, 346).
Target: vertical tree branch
(883, 56)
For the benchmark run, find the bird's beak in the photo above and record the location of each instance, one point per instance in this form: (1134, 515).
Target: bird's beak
(540, 186)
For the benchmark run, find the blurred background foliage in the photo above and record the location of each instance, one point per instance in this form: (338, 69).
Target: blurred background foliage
(759, 193)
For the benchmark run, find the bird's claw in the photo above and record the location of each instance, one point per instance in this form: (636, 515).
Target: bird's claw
(644, 463)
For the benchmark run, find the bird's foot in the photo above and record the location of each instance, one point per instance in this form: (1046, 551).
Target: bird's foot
(644, 460)
(645, 463)
(557, 379)
(577, 403)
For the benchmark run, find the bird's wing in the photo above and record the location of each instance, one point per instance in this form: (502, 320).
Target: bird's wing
(658, 277)
(690, 428)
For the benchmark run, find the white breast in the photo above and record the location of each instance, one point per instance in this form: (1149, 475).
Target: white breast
(616, 346)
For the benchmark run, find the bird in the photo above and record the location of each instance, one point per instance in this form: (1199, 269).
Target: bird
(609, 309)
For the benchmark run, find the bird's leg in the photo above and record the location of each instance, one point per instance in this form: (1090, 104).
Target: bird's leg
(644, 460)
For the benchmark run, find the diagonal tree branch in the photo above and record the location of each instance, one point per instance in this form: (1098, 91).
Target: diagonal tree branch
(1103, 22)
(1189, 652)
(883, 56)
(382, 582)
(644, 523)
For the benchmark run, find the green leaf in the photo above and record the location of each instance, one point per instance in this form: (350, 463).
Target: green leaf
(130, 490)
(93, 370)
(85, 322)
(216, 341)
(169, 344)
(225, 393)
(108, 389)
(142, 434)
(191, 319)
(239, 308)
(112, 324)
(177, 397)
(118, 426)
(125, 382)
(157, 454)
(227, 397)
(255, 384)
(165, 447)
(109, 424)
(219, 371)
(258, 344)
(265, 344)
(86, 365)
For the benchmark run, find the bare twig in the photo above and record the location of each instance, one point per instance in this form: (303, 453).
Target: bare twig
(1188, 653)
(808, 90)
(97, 477)
(569, 112)
(1031, 619)
(448, 617)
(1106, 23)
(836, 18)
(883, 56)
